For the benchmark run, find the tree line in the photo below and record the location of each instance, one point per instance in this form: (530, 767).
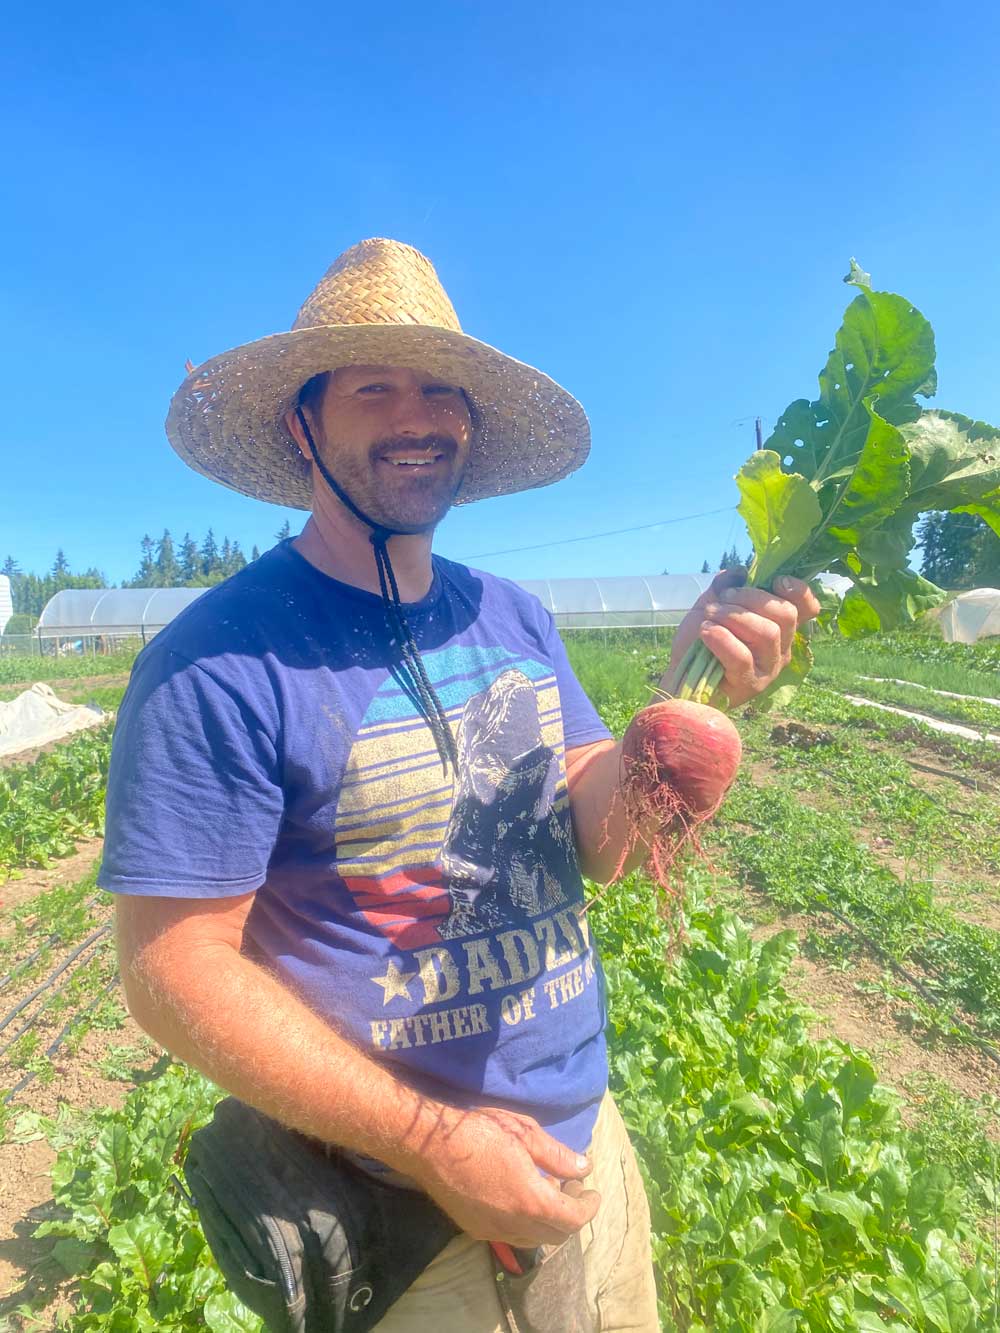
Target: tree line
(958, 551)
(192, 564)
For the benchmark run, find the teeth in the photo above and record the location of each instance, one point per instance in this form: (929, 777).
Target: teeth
(411, 462)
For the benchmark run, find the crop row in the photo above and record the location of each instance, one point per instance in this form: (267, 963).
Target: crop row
(966, 711)
(784, 1191)
(17, 670)
(47, 805)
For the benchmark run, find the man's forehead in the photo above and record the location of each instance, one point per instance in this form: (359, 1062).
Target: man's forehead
(351, 374)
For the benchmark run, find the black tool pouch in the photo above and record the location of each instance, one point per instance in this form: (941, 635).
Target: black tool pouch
(304, 1238)
(551, 1296)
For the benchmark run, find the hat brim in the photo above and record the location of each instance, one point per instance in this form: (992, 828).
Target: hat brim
(226, 419)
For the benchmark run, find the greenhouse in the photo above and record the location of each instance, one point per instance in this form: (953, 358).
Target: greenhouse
(101, 619)
(623, 602)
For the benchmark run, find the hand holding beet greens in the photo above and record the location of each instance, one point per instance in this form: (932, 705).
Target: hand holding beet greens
(842, 480)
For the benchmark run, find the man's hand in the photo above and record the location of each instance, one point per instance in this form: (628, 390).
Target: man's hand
(750, 631)
(484, 1169)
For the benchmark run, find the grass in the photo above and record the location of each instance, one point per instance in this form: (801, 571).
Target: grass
(961, 668)
(971, 712)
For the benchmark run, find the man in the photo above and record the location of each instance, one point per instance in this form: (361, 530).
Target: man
(353, 788)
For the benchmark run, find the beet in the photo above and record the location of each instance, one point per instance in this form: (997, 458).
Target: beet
(678, 761)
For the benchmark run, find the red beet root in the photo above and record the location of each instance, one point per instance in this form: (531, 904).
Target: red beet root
(679, 759)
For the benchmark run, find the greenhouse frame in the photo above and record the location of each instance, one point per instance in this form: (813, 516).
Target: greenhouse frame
(101, 619)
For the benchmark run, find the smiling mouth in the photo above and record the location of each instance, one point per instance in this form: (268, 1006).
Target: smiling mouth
(412, 460)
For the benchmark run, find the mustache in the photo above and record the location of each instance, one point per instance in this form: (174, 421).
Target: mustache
(431, 444)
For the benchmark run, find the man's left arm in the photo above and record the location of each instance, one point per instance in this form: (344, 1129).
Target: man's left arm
(751, 632)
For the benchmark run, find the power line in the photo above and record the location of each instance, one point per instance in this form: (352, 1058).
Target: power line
(592, 536)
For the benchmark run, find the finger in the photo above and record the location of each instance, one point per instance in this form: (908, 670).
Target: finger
(733, 577)
(568, 1213)
(726, 578)
(800, 595)
(761, 636)
(783, 613)
(554, 1157)
(740, 680)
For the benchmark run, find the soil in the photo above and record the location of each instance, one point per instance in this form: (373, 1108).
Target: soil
(26, 1268)
(29, 883)
(68, 683)
(877, 1025)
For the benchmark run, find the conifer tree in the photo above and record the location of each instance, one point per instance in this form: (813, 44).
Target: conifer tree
(209, 554)
(168, 571)
(190, 559)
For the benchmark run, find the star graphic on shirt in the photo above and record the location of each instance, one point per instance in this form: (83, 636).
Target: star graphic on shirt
(394, 983)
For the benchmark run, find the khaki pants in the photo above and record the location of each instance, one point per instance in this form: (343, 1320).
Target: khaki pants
(457, 1293)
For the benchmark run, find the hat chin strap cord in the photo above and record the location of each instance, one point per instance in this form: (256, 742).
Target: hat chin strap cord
(430, 704)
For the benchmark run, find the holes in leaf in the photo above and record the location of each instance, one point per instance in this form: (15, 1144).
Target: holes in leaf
(836, 386)
(849, 366)
(788, 460)
(798, 443)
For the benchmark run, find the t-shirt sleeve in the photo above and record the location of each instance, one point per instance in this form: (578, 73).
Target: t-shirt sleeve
(581, 721)
(195, 800)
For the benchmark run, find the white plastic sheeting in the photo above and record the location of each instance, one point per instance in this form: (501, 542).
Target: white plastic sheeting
(624, 601)
(6, 602)
(971, 616)
(598, 603)
(118, 612)
(37, 717)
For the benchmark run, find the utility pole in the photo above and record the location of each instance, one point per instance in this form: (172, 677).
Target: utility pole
(760, 434)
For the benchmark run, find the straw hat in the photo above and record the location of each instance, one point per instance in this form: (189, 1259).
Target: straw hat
(380, 303)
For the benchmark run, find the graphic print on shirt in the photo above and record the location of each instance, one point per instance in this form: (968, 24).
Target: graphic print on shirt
(427, 858)
(471, 878)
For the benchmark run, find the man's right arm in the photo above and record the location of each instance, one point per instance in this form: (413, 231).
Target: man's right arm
(190, 988)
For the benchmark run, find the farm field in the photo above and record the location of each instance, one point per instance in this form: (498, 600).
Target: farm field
(805, 1039)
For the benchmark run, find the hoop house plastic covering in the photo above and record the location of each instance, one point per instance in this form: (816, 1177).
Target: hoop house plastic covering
(624, 601)
(971, 616)
(6, 604)
(599, 603)
(117, 612)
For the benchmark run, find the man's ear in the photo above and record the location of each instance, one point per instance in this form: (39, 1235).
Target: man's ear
(294, 428)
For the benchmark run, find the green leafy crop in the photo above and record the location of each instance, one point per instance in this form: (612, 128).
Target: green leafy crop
(843, 478)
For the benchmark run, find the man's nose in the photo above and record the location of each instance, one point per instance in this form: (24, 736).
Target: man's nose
(413, 415)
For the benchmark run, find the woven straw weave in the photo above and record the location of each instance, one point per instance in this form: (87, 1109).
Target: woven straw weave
(380, 303)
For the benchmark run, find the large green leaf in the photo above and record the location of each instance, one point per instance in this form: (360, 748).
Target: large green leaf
(878, 484)
(955, 465)
(884, 354)
(781, 511)
(891, 595)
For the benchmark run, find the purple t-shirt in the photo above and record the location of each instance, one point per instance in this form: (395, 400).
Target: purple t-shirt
(264, 744)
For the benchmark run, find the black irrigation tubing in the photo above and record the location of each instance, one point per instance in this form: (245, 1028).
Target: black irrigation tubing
(54, 938)
(50, 1050)
(92, 939)
(27, 1026)
(981, 1042)
(944, 773)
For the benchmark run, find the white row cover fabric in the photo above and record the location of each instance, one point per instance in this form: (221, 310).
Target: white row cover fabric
(971, 616)
(37, 717)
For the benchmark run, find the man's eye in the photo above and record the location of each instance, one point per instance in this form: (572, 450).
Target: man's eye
(372, 388)
(440, 389)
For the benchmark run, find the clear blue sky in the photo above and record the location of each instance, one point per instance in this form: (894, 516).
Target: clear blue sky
(653, 203)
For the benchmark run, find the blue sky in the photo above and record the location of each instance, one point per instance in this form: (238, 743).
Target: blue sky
(654, 205)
